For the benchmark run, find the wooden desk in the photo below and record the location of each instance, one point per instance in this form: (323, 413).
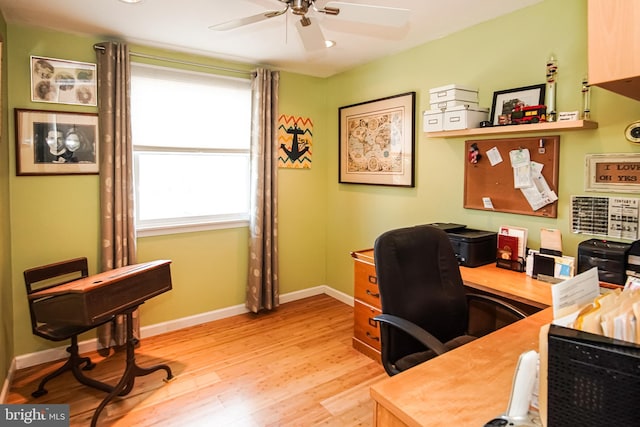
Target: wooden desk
(530, 295)
(467, 386)
(508, 284)
(497, 281)
(91, 300)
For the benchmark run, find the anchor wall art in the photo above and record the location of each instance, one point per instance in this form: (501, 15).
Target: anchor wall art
(295, 136)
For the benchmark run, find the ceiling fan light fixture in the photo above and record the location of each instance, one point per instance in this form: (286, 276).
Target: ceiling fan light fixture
(333, 11)
(299, 7)
(131, 1)
(305, 21)
(310, 35)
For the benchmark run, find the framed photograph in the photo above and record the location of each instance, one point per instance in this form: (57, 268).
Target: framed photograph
(617, 173)
(377, 140)
(63, 82)
(504, 101)
(56, 143)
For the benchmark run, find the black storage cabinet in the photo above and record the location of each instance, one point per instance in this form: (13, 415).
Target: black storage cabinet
(610, 258)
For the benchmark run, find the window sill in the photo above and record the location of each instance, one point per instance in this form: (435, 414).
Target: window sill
(189, 228)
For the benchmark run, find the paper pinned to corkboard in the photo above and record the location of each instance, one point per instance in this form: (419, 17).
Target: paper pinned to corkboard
(485, 179)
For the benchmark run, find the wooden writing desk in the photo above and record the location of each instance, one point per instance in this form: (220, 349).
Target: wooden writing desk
(470, 385)
(91, 300)
(467, 386)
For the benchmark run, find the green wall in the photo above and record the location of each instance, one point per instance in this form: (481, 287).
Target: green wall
(57, 217)
(320, 221)
(508, 52)
(6, 306)
(52, 218)
(303, 197)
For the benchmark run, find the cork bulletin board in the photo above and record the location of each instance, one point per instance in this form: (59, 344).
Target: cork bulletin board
(492, 187)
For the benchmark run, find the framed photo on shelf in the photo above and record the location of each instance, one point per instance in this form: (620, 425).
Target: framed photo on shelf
(377, 141)
(504, 101)
(63, 82)
(56, 143)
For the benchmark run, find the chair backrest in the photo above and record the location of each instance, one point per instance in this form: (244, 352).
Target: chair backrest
(47, 276)
(419, 280)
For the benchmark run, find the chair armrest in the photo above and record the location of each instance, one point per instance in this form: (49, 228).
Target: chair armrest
(424, 337)
(496, 301)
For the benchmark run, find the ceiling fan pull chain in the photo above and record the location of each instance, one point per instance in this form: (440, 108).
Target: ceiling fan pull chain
(286, 29)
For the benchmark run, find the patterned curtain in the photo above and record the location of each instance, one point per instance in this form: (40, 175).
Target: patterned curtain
(118, 235)
(262, 285)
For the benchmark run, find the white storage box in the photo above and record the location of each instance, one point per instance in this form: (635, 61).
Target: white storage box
(443, 105)
(452, 93)
(464, 118)
(432, 120)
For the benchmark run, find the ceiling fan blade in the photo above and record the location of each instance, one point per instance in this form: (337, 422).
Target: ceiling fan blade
(235, 23)
(370, 14)
(311, 35)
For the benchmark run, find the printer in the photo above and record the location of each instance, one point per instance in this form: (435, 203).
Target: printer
(473, 248)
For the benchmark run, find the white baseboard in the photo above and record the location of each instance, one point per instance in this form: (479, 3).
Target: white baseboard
(7, 382)
(44, 356)
(340, 296)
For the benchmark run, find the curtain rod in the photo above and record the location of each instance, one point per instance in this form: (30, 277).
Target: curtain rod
(177, 61)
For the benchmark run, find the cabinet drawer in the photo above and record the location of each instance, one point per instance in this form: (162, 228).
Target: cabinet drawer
(366, 284)
(365, 328)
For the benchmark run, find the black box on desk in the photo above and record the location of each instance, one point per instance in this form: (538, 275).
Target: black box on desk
(610, 258)
(633, 259)
(592, 380)
(474, 248)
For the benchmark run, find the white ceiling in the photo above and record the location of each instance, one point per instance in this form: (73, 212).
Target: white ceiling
(183, 25)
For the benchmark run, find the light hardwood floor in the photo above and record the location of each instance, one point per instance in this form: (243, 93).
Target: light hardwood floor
(292, 367)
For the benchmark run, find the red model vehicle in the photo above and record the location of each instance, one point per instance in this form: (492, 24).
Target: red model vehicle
(530, 114)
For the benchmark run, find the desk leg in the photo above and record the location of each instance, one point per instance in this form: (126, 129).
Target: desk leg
(131, 371)
(73, 363)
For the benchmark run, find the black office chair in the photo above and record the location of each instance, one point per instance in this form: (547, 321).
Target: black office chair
(45, 277)
(425, 307)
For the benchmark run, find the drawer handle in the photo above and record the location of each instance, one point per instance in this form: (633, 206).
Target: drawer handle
(373, 279)
(372, 337)
(372, 294)
(372, 322)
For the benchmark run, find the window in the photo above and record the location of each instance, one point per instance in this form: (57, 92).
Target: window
(191, 135)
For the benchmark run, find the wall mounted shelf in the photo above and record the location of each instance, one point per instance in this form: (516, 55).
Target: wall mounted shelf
(528, 128)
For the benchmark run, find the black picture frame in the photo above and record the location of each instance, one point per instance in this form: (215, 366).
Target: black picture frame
(502, 99)
(377, 141)
(56, 143)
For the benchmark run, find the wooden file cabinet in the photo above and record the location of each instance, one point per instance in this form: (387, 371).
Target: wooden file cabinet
(366, 332)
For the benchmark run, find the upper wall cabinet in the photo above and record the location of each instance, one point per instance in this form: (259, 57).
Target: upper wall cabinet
(614, 46)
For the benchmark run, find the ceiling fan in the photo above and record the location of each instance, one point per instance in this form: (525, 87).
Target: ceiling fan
(308, 28)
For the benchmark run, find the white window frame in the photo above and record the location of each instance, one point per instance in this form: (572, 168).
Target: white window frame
(184, 224)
